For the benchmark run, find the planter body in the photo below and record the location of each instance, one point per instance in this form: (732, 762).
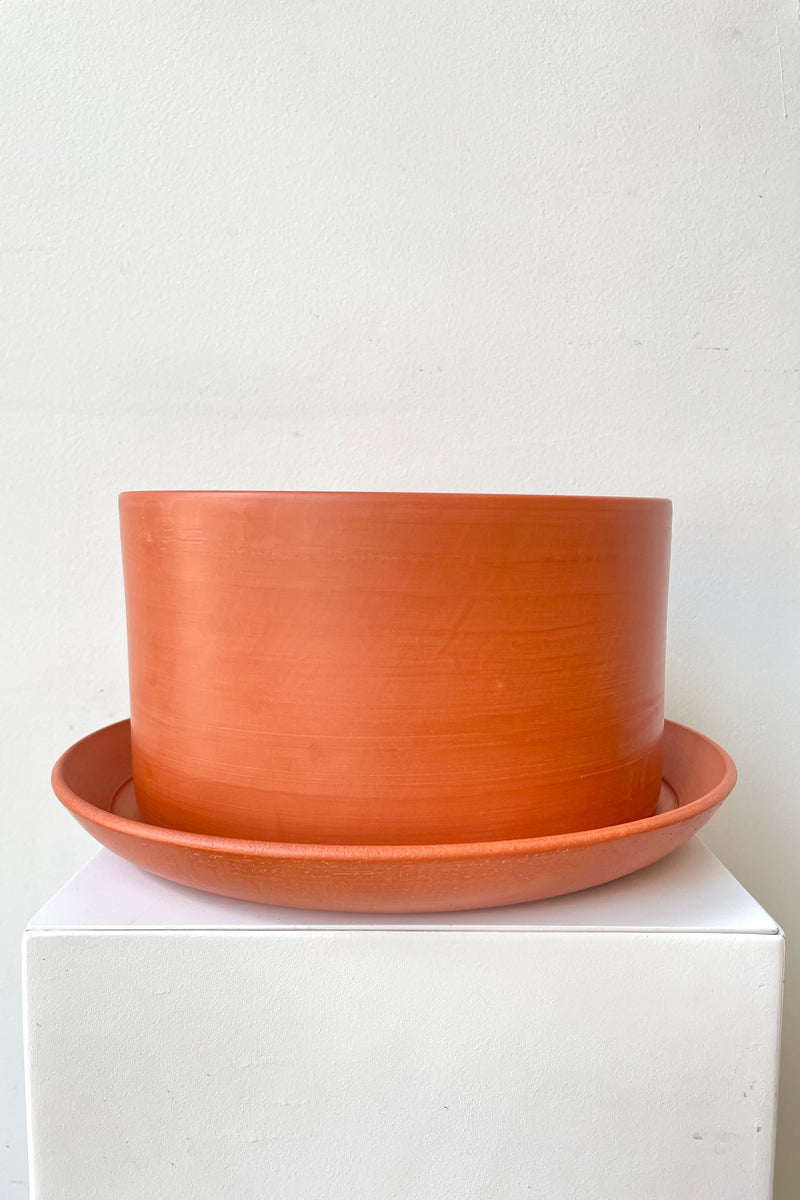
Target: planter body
(394, 668)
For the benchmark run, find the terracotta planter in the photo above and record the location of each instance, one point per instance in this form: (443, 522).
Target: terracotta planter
(394, 668)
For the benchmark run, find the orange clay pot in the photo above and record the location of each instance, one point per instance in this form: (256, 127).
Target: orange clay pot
(394, 668)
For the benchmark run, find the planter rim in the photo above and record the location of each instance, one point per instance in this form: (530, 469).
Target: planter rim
(543, 497)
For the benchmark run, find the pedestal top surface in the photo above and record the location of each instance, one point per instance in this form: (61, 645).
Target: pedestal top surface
(689, 890)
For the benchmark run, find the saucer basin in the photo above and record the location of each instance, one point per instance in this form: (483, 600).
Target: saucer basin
(92, 779)
(394, 668)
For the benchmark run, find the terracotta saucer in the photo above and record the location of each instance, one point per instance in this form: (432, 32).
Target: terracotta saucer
(93, 780)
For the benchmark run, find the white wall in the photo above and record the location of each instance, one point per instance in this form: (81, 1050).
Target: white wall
(439, 245)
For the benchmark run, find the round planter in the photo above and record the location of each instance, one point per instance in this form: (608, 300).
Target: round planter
(390, 668)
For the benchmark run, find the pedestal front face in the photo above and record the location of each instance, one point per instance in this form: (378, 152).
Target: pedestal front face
(480, 1058)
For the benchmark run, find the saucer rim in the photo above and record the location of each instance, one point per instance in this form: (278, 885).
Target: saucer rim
(85, 810)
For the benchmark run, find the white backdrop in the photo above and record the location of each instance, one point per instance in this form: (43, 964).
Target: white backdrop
(457, 246)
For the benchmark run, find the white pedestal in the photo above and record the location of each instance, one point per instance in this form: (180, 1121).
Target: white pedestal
(617, 1043)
